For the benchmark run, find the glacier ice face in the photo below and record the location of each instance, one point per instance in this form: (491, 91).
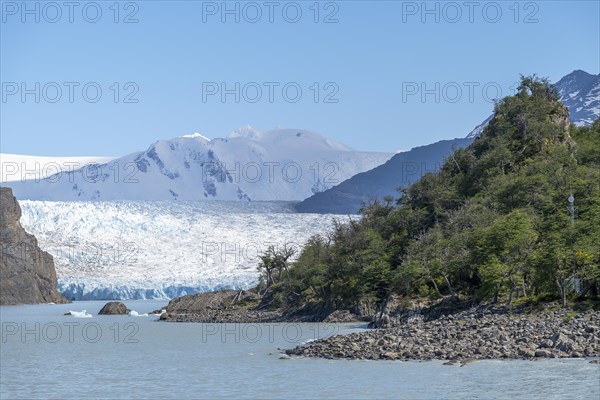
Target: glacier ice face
(162, 249)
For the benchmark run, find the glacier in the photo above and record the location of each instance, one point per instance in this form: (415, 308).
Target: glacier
(110, 250)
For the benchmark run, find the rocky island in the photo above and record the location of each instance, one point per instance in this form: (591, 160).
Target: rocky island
(114, 308)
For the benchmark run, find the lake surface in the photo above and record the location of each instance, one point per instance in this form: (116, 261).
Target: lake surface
(45, 354)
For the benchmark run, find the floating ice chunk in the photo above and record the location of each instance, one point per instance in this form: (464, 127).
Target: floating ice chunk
(80, 314)
(134, 313)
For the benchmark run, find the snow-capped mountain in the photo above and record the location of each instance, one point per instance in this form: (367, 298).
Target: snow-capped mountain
(579, 91)
(282, 164)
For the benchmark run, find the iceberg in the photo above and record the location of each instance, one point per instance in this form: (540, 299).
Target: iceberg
(134, 313)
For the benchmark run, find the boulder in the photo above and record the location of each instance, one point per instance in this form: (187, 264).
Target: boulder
(390, 355)
(114, 308)
(542, 353)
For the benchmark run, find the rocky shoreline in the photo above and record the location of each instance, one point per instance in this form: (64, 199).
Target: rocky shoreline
(470, 335)
(447, 330)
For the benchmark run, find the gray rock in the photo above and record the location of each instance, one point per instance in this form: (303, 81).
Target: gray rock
(558, 338)
(525, 352)
(390, 355)
(114, 308)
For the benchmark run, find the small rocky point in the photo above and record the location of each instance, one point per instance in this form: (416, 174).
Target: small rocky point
(244, 306)
(218, 307)
(469, 336)
(114, 308)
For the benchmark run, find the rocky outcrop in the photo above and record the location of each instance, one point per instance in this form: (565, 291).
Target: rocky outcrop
(247, 306)
(27, 273)
(114, 308)
(225, 306)
(470, 335)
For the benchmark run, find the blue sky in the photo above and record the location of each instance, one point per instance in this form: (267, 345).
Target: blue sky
(374, 61)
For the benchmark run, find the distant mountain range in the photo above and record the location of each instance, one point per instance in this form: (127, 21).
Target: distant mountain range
(282, 164)
(251, 165)
(579, 91)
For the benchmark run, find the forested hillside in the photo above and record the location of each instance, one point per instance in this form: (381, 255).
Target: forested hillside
(494, 224)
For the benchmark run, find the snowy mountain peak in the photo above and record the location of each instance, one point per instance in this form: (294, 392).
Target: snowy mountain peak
(245, 131)
(580, 92)
(302, 139)
(576, 75)
(196, 135)
(298, 139)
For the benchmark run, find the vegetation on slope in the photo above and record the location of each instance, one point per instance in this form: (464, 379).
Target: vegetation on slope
(494, 224)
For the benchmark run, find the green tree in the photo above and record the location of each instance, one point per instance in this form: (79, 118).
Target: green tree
(506, 248)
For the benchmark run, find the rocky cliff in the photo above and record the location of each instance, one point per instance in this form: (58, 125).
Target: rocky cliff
(27, 273)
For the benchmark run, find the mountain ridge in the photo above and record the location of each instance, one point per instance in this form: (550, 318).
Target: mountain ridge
(281, 164)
